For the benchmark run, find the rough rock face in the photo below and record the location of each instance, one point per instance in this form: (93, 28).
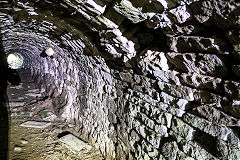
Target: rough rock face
(141, 79)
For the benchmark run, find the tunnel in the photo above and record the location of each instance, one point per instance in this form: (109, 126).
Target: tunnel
(133, 79)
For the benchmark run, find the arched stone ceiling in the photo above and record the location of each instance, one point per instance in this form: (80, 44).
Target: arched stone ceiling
(141, 79)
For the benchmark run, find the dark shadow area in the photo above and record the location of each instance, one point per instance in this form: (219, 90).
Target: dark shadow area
(60, 135)
(207, 142)
(236, 130)
(4, 126)
(43, 54)
(11, 76)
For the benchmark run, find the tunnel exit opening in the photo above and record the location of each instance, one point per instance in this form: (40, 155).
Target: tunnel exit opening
(15, 60)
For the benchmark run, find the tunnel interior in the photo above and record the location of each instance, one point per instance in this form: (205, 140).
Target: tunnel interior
(137, 80)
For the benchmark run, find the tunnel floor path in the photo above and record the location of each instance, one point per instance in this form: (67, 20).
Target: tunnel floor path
(37, 144)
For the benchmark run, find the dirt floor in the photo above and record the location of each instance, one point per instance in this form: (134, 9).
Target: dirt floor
(31, 143)
(37, 144)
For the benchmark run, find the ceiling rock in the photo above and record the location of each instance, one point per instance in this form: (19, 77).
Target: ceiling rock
(150, 79)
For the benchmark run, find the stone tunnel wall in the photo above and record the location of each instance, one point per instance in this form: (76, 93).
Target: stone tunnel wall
(142, 80)
(81, 87)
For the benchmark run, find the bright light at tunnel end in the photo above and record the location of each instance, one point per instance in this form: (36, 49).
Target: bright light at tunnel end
(15, 61)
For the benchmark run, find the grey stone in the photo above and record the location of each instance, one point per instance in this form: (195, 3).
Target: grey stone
(182, 129)
(51, 117)
(216, 116)
(200, 44)
(221, 132)
(35, 124)
(201, 81)
(74, 143)
(159, 20)
(208, 12)
(228, 152)
(16, 104)
(126, 8)
(117, 45)
(206, 64)
(23, 141)
(181, 14)
(140, 79)
(126, 77)
(22, 114)
(170, 150)
(179, 91)
(194, 150)
(17, 149)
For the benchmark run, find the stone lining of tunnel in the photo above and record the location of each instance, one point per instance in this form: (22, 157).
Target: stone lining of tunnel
(139, 80)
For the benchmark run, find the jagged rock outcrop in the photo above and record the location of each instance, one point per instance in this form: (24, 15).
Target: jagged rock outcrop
(154, 79)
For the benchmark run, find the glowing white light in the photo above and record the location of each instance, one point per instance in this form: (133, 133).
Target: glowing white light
(15, 61)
